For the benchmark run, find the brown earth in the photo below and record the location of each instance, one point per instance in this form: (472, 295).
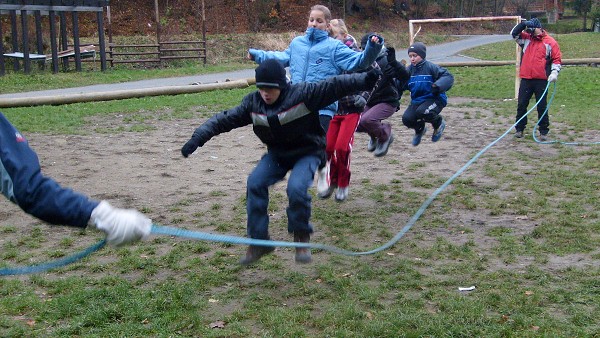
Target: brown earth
(145, 170)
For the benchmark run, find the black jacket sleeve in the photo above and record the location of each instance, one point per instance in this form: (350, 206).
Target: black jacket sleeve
(323, 93)
(225, 121)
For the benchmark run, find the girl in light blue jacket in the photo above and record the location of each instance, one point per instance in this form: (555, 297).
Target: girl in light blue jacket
(315, 56)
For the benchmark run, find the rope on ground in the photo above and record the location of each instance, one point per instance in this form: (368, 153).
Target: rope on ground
(556, 141)
(53, 264)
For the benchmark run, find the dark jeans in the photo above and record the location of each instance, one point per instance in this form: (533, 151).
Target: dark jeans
(526, 90)
(416, 115)
(270, 171)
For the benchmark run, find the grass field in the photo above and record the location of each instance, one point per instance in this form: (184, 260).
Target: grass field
(534, 258)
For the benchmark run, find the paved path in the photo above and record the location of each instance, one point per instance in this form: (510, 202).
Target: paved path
(447, 52)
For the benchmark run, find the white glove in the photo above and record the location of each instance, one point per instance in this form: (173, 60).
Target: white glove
(120, 225)
(553, 76)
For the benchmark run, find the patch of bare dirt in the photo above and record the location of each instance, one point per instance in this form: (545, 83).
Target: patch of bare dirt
(145, 170)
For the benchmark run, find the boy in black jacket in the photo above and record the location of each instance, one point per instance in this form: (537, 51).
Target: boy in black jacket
(286, 118)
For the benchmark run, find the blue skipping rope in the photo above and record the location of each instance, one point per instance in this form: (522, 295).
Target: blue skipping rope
(198, 235)
(545, 112)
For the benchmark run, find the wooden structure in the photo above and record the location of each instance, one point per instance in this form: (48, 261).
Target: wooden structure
(161, 50)
(21, 10)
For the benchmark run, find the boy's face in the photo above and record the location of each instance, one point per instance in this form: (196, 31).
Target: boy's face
(269, 94)
(414, 58)
(317, 20)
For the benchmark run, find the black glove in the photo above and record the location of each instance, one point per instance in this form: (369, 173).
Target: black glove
(435, 90)
(372, 77)
(190, 147)
(391, 55)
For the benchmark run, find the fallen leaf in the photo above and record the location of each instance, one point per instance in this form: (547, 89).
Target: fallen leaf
(535, 328)
(504, 319)
(522, 217)
(528, 293)
(31, 322)
(210, 300)
(347, 275)
(369, 315)
(219, 324)
(145, 321)
(391, 254)
(319, 280)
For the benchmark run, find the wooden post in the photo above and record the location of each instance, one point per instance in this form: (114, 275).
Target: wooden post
(53, 44)
(110, 37)
(14, 36)
(158, 30)
(38, 37)
(2, 69)
(204, 33)
(75, 17)
(101, 42)
(517, 64)
(63, 37)
(25, 32)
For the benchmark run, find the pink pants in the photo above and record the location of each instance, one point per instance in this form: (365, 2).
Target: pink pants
(340, 138)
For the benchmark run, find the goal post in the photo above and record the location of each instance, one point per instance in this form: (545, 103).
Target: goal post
(516, 19)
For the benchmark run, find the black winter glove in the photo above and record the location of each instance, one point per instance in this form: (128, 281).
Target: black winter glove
(372, 77)
(190, 147)
(435, 90)
(391, 54)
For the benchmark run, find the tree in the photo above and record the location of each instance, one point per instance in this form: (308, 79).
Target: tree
(581, 7)
(522, 6)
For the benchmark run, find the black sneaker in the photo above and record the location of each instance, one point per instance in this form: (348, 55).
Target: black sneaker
(519, 134)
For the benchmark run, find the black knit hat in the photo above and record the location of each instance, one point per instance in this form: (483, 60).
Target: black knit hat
(534, 23)
(270, 73)
(419, 48)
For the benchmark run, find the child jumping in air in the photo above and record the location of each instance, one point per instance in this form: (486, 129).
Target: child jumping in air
(428, 85)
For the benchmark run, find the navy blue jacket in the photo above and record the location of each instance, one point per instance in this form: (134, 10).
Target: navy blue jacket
(22, 182)
(422, 76)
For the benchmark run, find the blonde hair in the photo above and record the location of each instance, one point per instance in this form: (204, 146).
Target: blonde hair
(325, 10)
(339, 26)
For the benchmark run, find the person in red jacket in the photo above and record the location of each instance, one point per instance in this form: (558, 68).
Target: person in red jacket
(540, 64)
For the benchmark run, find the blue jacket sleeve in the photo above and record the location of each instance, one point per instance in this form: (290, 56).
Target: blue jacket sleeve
(260, 55)
(349, 60)
(39, 196)
(444, 79)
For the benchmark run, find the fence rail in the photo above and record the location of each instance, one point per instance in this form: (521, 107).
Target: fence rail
(163, 51)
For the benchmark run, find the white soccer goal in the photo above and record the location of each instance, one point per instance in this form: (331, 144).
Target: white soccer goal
(515, 19)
